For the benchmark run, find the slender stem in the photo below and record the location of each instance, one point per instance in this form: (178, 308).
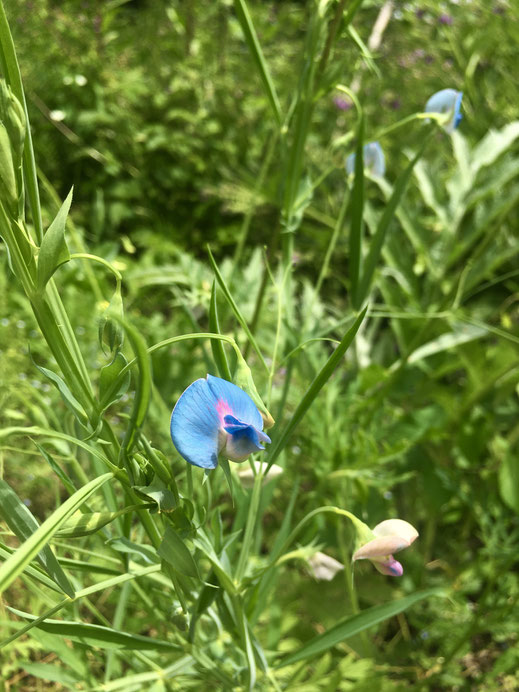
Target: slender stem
(249, 527)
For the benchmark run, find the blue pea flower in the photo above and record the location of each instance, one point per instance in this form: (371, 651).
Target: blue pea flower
(374, 160)
(447, 102)
(215, 417)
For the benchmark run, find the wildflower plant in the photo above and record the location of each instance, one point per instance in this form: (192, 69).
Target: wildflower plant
(186, 548)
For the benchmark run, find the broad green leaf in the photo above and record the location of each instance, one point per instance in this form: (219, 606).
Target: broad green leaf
(174, 550)
(99, 636)
(159, 493)
(22, 523)
(353, 625)
(53, 250)
(111, 386)
(14, 565)
(319, 381)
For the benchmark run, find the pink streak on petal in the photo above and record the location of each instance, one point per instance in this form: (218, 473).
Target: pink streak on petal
(223, 409)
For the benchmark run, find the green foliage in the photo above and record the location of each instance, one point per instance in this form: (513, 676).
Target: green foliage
(187, 123)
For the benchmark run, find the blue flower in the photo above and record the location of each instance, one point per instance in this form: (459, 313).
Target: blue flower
(446, 101)
(215, 417)
(374, 160)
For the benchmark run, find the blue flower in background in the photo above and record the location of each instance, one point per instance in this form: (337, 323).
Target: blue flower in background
(446, 101)
(215, 417)
(374, 160)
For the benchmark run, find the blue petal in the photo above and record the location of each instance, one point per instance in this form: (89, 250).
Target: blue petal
(242, 439)
(374, 160)
(234, 401)
(350, 164)
(195, 425)
(446, 101)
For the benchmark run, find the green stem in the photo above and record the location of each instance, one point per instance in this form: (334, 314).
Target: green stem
(249, 527)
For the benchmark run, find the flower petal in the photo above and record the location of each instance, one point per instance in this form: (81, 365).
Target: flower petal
(242, 439)
(323, 567)
(380, 547)
(390, 566)
(446, 101)
(233, 400)
(396, 527)
(195, 425)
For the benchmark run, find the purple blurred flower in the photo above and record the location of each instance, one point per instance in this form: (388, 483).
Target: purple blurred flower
(341, 103)
(445, 19)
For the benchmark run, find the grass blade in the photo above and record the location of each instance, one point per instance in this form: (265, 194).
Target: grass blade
(319, 381)
(98, 635)
(13, 566)
(353, 625)
(377, 242)
(217, 346)
(357, 208)
(22, 523)
(235, 308)
(242, 12)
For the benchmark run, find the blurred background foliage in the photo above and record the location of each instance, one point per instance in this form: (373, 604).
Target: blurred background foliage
(154, 112)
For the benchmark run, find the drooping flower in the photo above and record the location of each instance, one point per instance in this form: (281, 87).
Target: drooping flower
(247, 476)
(215, 417)
(390, 536)
(323, 567)
(374, 160)
(446, 102)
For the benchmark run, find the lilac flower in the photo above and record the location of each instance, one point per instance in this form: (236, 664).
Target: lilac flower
(447, 102)
(215, 417)
(390, 536)
(374, 160)
(341, 103)
(445, 19)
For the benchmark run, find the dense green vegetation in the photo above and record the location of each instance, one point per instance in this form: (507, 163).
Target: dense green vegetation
(184, 126)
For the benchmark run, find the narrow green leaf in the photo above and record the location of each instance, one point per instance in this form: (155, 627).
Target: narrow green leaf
(47, 671)
(235, 308)
(242, 12)
(30, 571)
(142, 394)
(216, 345)
(64, 478)
(22, 523)
(159, 493)
(68, 398)
(13, 566)
(353, 625)
(137, 550)
(174, 550)
(86, 524)
(377, 242)
(53, 249)
(356, 209)
(319, 381)
(99, 636)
